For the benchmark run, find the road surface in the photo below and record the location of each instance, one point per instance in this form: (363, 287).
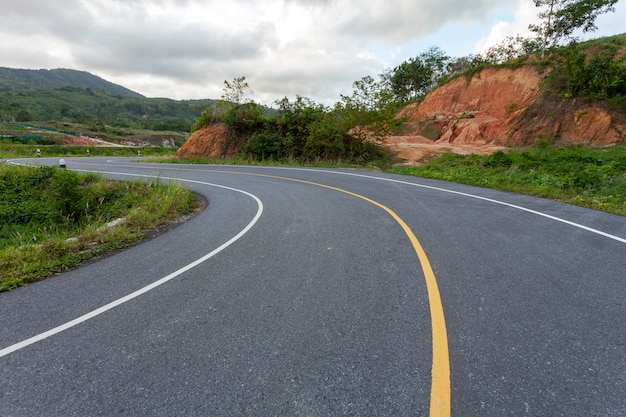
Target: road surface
(312, 292)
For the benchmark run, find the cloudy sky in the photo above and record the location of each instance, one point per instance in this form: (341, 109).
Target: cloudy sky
(185, 49)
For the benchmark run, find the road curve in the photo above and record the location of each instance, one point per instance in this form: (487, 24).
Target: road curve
(314, 292)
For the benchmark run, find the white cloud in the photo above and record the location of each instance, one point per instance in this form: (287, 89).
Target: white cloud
(187, 48)
(525, 14)
(400, 21)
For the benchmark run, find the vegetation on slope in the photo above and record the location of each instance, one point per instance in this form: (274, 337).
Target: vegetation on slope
(53, 219)
(592, 71)
(304, 131)
(13, 79)
(96, 109)
(584, 176)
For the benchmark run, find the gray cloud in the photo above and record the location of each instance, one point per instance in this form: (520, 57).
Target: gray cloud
(148, 50)
(187, 48)
(402, 20)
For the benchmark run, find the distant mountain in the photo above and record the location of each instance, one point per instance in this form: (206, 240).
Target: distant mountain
(12, 79)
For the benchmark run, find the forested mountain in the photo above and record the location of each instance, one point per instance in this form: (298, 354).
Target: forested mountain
(11, 79)
(80, 97)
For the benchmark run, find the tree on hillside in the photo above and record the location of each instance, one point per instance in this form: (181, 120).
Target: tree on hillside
(237, 91)
(236, 108)
(408, 80)
(436, 61)
(460, 64)
(369, 109)
(561, 18)
(510, 48)
(417, 76)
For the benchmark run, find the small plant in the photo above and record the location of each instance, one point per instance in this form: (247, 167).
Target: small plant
(512, 108)
(543, 142)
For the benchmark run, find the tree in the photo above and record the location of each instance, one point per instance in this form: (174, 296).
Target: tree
(510, 48)
(417, 76)
(370, 110)
(410, 80)
(561, 18)
(460, 64)
(24, 116)
(236, 108)
(436, 61)
(237, 92)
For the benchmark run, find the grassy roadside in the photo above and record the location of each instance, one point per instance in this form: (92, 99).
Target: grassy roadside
(586, 176)
(589, 177)
(52, 219)
(12, 150)
(200, 160)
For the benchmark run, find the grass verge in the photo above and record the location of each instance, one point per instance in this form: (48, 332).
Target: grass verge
(580, 175)
(319, 163)
(52, 219)
(12, 150)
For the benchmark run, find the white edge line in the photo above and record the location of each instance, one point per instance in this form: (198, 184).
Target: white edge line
(538, 213)
(135, 294)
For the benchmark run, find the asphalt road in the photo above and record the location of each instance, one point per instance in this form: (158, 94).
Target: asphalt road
(303, 292)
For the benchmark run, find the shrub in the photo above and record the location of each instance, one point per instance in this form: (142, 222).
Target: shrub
(266, 144)
(498, 159)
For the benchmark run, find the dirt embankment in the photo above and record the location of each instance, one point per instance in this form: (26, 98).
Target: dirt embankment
(499, 107)
(209, 141)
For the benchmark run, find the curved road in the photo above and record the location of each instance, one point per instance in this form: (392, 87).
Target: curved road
(309, 292)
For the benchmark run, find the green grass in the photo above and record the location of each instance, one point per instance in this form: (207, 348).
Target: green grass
(319, 163)
(585, 176)
(11, 150)
(580, 175)
(53, 219)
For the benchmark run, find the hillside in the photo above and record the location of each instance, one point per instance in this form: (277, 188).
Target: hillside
(78, 97)
(517, 105)
(499, 106)
(97, 109)
(12, 79)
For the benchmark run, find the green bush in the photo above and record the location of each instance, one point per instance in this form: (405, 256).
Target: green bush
(498, 159)
(599, 77)
(265, 145)
(244, 118)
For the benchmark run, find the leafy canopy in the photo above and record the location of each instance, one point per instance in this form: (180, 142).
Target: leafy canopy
(561, 18)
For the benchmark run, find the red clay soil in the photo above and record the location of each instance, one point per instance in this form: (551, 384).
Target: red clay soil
(209, 141)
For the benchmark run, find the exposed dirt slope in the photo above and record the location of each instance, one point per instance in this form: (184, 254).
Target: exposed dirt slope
(209, 141)
(497, 107)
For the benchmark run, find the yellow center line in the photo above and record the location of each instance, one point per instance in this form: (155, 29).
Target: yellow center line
(440, 388)
(440, 374)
